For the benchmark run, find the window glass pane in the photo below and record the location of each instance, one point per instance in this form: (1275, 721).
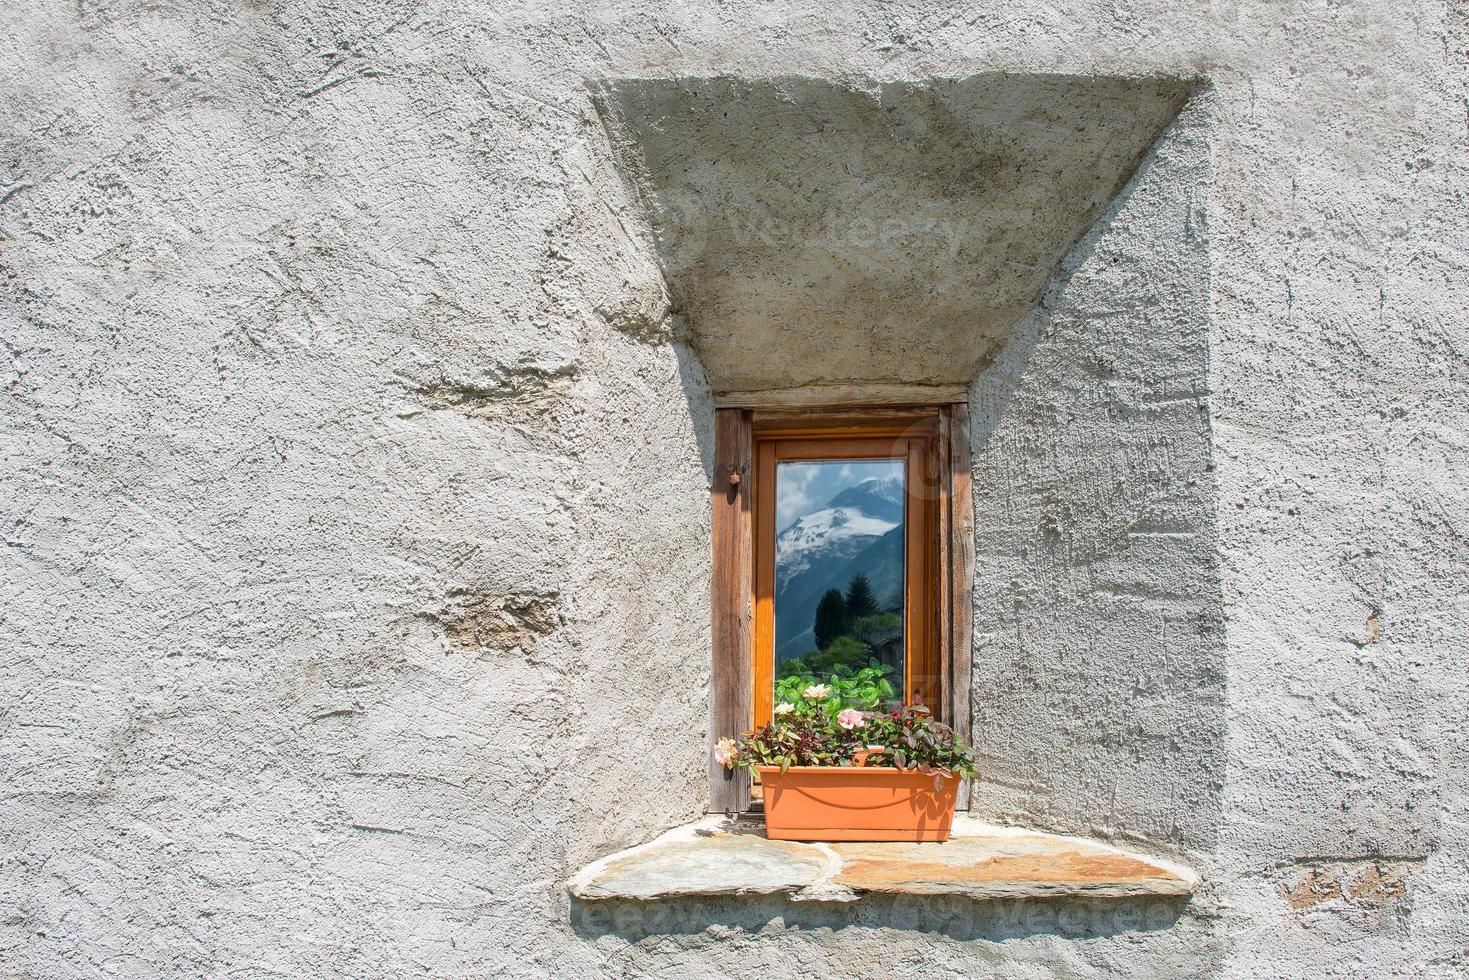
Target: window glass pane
(839, 553)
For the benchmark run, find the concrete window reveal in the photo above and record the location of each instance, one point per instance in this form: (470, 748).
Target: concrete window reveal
(1003, 279)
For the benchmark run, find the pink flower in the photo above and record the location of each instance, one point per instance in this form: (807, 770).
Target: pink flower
(850, 719)
(725, 751)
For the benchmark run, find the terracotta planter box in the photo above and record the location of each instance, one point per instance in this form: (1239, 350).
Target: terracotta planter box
(856, 804)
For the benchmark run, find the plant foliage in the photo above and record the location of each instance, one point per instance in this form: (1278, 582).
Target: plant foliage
(817, 728)
(867, 688)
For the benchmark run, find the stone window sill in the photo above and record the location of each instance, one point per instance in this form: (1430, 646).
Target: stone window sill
(718, 856)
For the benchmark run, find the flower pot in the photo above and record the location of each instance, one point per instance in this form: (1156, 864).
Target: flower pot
(867, 803)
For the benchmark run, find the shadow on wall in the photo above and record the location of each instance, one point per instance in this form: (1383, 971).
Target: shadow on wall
(996, 920)
(1099, 699)
(695, 387)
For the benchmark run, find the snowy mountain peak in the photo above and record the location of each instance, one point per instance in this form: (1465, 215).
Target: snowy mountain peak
(831, 524)
(881, 498)
(849, 521)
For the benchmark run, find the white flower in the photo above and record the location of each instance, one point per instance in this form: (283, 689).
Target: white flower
(725, 751)
(850, 719)
(784, 708)
(817, 692)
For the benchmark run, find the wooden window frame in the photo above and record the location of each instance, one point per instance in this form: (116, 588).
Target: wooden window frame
(742, 433)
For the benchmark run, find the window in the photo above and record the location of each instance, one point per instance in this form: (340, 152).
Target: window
(843, 542)
(843, 551)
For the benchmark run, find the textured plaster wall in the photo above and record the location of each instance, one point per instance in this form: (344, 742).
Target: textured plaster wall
(1099, 678)
(355, 510)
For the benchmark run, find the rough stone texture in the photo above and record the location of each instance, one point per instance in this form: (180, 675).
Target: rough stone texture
(324, 326)
(979, 861)
(707, 863)
(1358, 884)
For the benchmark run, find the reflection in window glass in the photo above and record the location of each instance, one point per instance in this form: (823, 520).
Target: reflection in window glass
(839, 579)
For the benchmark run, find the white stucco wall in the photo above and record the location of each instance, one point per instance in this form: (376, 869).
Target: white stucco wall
(355, 498)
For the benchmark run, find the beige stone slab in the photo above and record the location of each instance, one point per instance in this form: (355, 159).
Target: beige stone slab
(713, 864)
(1029, 865)
(715, 857)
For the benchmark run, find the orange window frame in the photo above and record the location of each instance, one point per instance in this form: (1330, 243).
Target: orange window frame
(917, 445)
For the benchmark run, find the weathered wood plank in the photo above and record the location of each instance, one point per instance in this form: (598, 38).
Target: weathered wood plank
(824, 396)
(960, 597)
(944, 585)
(732, 660)
(838, 418)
